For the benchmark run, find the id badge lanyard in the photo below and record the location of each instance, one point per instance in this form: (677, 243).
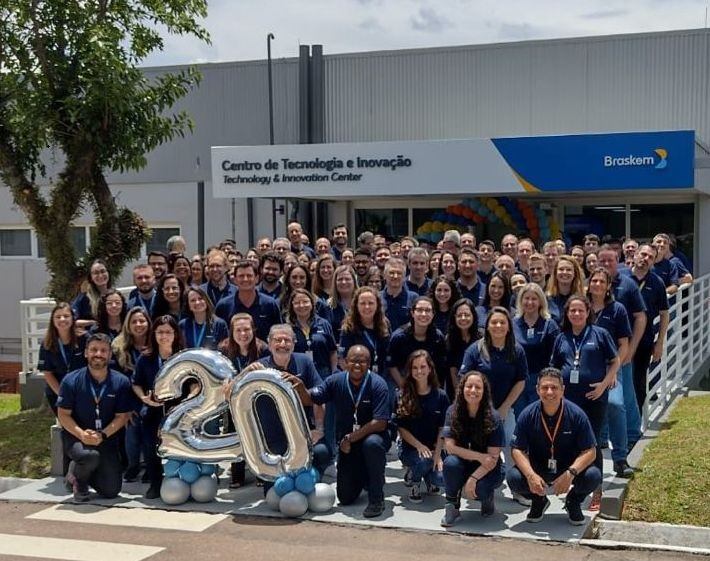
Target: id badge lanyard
(372, 344)
(64, 355)
(574, 373)
(307, 335)
(552, 462)
(197, 339)
(356, 401)
(97, 401)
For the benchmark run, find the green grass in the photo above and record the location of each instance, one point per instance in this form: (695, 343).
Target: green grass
(673, 484)
(24, 439)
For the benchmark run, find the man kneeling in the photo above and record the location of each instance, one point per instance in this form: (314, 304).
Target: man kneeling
(93, 405)
(362, 409)
(553, 449)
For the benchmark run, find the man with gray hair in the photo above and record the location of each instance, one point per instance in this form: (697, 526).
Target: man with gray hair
(452, 241)
(176, 244)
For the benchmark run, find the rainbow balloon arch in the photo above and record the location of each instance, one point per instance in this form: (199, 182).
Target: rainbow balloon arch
(526, 218)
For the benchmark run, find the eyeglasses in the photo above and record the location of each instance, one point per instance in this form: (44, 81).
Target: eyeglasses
(423, 311)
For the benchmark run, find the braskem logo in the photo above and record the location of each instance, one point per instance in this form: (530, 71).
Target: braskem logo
(659, 160)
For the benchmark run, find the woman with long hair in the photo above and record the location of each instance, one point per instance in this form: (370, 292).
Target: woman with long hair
(197, 271)
(181, 267)
(200, 327)
(420, 415)
(462, 333)
(366, 324)
(324, 278)
(448, 266)
(473, 438)
(86, 304)
(170, 297)
(297, 276)
(434, 260)
(566, 280)
(111, 314)
(443, 292)
(338, 304)
(165, 341)
(498, 294)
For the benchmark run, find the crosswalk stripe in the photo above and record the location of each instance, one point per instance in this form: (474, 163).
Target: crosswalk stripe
(134, 517)
(73, 550)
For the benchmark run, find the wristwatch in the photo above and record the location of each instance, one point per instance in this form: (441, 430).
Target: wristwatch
(104, 436)
(573, 471)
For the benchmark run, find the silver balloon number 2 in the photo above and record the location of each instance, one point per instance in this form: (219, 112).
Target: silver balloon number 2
(183, 434)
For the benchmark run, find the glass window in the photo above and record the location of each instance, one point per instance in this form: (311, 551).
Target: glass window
(391, 223)
(16, 243)
(159, 238)
(602, 220)
(78, 235)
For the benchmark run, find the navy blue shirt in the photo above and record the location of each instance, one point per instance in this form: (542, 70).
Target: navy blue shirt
(596, 348)
(574, 436)
(320, 343)
(426, 426)
(275, 293)
(145, 303)
(204, 336)
(396, 308)
(668, 272)
(495, 439)
(681, 267)
(485, 277)
(653, 292)
(502, 374)
(615, 320)
(422, 290)
(373, 404)
(556, 306)
(441, 321)
(475, 294)
(215, 294)
(403, 343)
(114, 394)
(369, 338)
(335, 317)
(64, 359)
(264, 311)
(627, 293)
(82, 307)
(537, 341)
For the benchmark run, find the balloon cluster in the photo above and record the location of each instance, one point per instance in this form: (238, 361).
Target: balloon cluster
(188, 479)
(517, 214)
(294, 493)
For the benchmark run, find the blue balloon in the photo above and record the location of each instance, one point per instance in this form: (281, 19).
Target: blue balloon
(283, 485)
(208, 469)
(189, 472)
(438, 216)
(316, 474)
(484, 211)
(305, 483)
(171, 468)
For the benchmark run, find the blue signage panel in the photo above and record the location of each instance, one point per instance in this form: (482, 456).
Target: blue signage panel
(596, 162)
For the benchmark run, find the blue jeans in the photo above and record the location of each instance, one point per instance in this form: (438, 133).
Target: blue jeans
(457, 471)
(623, 420)
(363, 468)
(421, 468)
(582, 485)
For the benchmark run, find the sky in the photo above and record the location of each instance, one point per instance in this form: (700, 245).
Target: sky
(239, 28)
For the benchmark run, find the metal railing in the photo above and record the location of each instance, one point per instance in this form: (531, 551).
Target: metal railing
(687, 343)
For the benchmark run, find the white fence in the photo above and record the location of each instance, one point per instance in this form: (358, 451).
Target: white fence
(687, 346)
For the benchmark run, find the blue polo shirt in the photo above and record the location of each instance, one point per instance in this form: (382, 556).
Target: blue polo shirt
(301, 366)
(275, 293)
(369, 338)
(574, 436)
(667, 271)
(335, 317)
(626, 292)
(537, 341)
(475, 294)
(397, 308)
(82, 307)
(374, 404)
(495, 439)
(597, 349)
(136, 299)
(680, 266)
(75, 394)
(422, 290)
(264, 311)
(654, 295)
(485, 277)
(615, 320)
(64, 359)
(320, 342)
(426, 426)
(216, 294)
(441, 321)
(502, 373)
(556, 306)
(204, 336)
(144, 374)
(403, 343)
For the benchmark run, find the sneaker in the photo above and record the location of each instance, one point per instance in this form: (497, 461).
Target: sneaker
(153, 492)
(596, 502)
(451, 515)
(623, 469)
(408, 478)
(538, 508)
(574, 512)
(488, 506)
(80, 490)
(521, 500)
(131, 474)
(374, 509)
(70, 478)
(432, 489)
(415, 495)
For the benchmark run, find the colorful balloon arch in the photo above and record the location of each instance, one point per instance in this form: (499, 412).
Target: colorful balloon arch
(521, 215)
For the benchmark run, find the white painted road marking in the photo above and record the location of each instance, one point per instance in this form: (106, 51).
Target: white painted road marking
(73, 550)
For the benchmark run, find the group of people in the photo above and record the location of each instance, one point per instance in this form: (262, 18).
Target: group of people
(480, 362)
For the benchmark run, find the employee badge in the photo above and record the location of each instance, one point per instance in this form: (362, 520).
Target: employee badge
(574, 376)
(552, 465)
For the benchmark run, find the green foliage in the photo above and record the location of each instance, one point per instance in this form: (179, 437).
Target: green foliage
(24, 439)
(70, 87)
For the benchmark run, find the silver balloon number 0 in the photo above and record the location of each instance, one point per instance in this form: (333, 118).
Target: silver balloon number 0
(183, 433)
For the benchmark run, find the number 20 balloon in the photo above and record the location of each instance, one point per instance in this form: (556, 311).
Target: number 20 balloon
(183, 434)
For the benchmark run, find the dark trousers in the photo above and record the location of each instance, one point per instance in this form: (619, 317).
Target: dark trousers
(582, 485)
(596, 411)
(363, 468)
(98, 466)
(642, 360)
(457, 471)
(153, 465)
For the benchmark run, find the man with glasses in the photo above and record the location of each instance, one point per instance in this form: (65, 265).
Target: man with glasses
(217, 285)
(159, 262)
(362, 411)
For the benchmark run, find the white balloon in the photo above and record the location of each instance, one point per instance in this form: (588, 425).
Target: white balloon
(204, 489)
(174, 491)
(322, 498)
(272, 499)
(293, 504)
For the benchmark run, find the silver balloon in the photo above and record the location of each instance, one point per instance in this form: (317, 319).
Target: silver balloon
(182, 433)
(260, 460)
(293, 504)
(272, 499)
(174, 491)
(322, 498)
(204, 489)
